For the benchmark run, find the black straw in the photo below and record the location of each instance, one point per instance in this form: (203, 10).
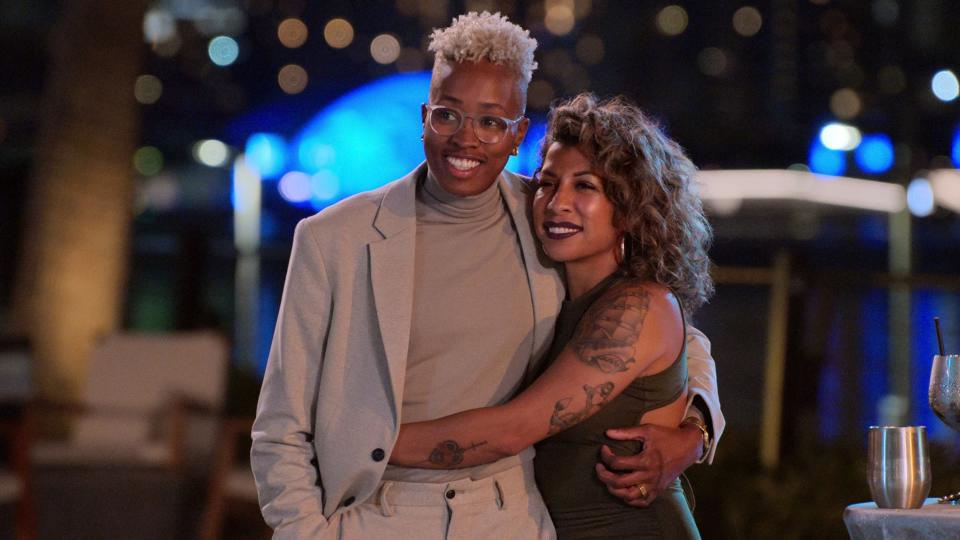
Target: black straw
(936, 322)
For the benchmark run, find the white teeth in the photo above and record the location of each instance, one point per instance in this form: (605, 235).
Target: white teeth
(561, 230)
(462, 164)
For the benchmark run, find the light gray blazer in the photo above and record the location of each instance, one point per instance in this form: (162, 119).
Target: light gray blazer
(329, 409)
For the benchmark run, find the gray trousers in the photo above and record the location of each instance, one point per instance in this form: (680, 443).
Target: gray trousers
(505, 505)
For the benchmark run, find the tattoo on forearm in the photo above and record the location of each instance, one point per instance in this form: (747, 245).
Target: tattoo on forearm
(450, 452)
(596, 397)
(606, 335)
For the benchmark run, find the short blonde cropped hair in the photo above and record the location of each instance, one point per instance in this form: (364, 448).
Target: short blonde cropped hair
(483, 36)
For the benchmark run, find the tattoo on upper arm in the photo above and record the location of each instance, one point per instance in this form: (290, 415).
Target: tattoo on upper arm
(606, 334)
(596, 397)
(449, 452)
(607, 362)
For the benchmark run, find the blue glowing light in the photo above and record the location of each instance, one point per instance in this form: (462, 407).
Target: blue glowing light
(920, 199)
(324, 188)
(364, 139)
(371, 136)
(945, 85)
(955, 150)
(823, 160)
(223, 50)
(875, 154)
(294, 187)
(528, 158)
(267, 153)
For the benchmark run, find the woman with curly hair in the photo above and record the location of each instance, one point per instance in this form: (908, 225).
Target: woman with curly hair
(614, 203)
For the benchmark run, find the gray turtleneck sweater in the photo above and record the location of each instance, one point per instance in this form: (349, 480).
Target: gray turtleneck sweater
(470, 339)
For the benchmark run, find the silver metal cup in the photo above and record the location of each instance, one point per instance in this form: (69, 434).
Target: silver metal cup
(898, 466)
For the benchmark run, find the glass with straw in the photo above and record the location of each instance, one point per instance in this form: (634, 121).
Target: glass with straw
(944, 392)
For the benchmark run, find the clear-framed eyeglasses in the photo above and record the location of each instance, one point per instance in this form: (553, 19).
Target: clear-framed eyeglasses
(489, 128)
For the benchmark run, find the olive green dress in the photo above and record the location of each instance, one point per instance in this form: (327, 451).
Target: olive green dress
(578, 501)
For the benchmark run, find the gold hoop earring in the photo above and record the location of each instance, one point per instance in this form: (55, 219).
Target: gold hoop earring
(515, 151)
(620, 252)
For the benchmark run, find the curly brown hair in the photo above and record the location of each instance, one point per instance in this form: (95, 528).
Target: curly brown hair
(648, 178)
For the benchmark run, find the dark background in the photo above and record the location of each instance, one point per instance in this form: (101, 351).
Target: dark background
(762, 110)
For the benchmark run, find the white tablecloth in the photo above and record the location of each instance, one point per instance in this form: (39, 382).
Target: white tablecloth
(865, 521)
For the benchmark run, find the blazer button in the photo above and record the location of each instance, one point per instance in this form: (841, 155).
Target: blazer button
(451, 494)
(378, 454)
(348, 501)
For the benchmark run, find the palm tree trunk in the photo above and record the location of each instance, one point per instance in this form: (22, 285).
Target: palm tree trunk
(71, 275)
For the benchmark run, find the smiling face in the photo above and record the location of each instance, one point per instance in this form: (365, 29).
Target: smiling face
(462, 164)
(572, 215)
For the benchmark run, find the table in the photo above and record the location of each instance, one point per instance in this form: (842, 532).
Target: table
(865, 521)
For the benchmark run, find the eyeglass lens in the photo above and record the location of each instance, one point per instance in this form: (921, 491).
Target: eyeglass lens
(446, 121)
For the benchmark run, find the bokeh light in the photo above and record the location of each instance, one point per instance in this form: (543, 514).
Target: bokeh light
(672, 20)
(712, 61)
(147, 89)
(212, 20)
(837, 136)
(158, 193)
(885, 12)
(148, 160)
(292, 79)
(169, 48)
(582, 8)
(223, 50)
(891, 79)
(159, 26)
(267, 153)
(313, 153)
(845, 103)
(590, 49)
(955, 148)
(875, 154)
(559, 19)
(338, 33)
(385, 49)
(823, 160)
(294, 187)
(945, 85)
(540, 94)
(747, 21)
(324, 187)
(292, 33)
(211, 152)
(555, 62)
(920, 198)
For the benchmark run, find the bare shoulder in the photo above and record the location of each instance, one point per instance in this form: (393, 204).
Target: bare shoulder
(610, 331)
(634, 295)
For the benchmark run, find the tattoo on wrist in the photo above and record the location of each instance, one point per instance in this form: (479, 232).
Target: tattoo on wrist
(562, 417)
(450, 452)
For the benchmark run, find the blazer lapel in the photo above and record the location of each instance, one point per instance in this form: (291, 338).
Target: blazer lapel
(546, 289)
(391, 276)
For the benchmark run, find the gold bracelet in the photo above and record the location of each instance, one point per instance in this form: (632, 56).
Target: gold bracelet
(693, 420)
